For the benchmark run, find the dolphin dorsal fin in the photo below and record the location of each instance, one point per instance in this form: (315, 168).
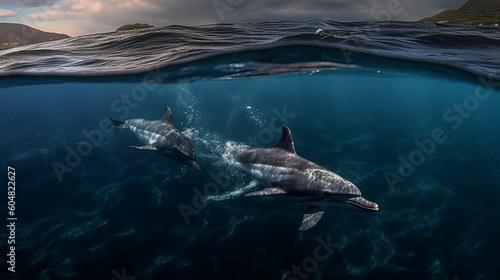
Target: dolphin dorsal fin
(286, 142)
(167, 117)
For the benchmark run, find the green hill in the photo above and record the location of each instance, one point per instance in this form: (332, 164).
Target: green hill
(15, 35)
(474, 12)
(134, 26)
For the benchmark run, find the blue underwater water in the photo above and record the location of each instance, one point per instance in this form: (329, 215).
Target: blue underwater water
(418, 136)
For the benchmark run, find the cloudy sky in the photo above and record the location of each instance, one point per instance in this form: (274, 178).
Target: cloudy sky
(78, 17)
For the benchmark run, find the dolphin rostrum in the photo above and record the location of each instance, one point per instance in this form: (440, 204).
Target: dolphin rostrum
(283, 172)
(161, 136)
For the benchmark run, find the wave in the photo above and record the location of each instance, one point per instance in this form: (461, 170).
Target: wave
(296, 57)
(259, 47)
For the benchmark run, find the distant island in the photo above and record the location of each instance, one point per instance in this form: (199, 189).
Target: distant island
(134, 26)
(474, 12)
(15, 34)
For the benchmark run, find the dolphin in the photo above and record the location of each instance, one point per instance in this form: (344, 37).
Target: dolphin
(161, 136)
(283, 172)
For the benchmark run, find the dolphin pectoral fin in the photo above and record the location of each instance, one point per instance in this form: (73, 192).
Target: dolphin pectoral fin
(311, 217)
(145, 148)
(266, 191)
(119, 124)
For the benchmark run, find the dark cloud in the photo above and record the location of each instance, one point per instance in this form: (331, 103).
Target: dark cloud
(202, 11)
(192, 12)
(28, 3)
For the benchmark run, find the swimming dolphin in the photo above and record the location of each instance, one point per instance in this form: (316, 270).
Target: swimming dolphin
(283, 172)
(161, 136)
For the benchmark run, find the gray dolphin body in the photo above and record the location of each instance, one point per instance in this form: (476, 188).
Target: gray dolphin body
(161, 136)
(283, 172)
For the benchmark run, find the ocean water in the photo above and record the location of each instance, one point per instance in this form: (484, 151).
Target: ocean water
(406, 111)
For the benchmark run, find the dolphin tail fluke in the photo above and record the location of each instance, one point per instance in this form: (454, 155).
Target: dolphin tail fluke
(145, 148)
(266, 191)
(119, 124)
(311, 217)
